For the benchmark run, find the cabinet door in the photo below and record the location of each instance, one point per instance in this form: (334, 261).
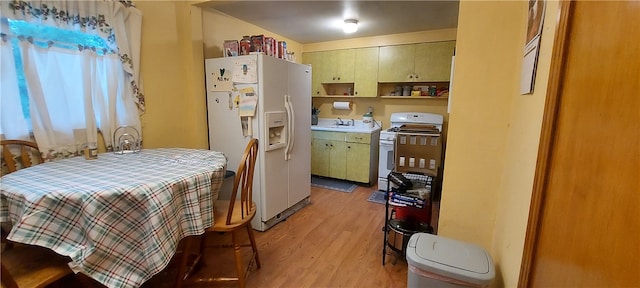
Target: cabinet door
(338, 66)
(358, 160)
(320, 151)
(433, 61)
(366, 72)
(315, 60)
(337, 160)
(396, 63)
(345, 65)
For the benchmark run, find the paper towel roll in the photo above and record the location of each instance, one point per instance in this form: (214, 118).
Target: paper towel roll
(341, 105)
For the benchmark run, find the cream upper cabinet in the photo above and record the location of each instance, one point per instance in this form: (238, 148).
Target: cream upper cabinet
(396, 63)
(338, 66)
(316, 61)
(366, 72)
(423, 62)
(433, 61)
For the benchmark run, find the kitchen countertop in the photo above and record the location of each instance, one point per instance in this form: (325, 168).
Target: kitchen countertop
(329, 124)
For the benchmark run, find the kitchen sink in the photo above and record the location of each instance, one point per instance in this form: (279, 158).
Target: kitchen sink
(341, 127)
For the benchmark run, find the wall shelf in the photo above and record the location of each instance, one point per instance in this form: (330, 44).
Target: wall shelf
(340, 96)
(415, 97)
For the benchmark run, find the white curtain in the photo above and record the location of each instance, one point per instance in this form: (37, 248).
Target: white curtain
(14, 125)
(73, 91)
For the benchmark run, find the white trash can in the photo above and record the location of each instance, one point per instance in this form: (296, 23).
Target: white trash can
(436, 261)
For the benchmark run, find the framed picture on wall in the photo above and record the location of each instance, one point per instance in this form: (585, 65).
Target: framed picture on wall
(535, 19)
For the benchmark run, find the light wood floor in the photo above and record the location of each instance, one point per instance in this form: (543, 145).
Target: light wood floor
(336, 241)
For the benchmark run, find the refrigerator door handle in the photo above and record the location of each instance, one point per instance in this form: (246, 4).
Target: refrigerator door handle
(292, 123)
(287, 108)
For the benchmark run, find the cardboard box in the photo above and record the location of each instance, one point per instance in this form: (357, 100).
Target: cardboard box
(418, 153)
(270, 46)
(257, 43)
(231, 48)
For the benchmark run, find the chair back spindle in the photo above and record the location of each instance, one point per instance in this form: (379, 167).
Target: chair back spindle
(244, 182)
(27, 155)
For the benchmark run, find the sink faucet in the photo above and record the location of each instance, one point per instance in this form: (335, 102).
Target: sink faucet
(339, 121)
(353, 122)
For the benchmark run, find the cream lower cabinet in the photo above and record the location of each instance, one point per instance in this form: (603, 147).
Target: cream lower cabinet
(328, 158)
(343, 155)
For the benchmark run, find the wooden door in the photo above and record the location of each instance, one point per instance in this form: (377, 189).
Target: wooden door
(584, 227)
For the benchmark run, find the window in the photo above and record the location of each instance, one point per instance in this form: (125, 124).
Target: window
(45, 36)
(68, 69)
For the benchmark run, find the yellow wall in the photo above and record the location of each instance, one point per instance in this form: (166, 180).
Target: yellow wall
(218, 27)
(493, 132)
(172, 75)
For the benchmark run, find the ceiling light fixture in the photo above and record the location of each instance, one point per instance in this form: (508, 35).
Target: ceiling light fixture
(350, 25)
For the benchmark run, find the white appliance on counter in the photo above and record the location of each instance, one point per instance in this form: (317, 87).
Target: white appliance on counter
(386, 161)
(282, 179)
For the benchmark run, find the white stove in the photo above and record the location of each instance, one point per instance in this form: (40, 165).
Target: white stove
(387, 139)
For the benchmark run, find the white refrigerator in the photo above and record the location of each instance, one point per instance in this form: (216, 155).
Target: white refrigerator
(281, 123)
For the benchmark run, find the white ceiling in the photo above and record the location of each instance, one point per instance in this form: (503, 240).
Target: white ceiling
(320, 21)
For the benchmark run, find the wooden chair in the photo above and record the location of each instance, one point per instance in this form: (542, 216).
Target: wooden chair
(29, 154)
(233, 216)
(30, 266)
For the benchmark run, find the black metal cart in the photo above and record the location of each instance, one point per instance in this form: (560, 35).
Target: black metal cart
(397, 197)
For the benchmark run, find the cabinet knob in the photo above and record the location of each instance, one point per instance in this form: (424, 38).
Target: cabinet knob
(338, 78)
(356, 92)
(348, 147)
(410, 76)
(417, 76)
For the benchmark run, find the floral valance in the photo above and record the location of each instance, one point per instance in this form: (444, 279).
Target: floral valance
(117, 22)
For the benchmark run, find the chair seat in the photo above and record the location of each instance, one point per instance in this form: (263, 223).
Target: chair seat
(34, 266)
(220, 216)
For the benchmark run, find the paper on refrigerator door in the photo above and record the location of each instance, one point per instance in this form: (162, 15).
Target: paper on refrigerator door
(220, 81)
(248, 102)
(247, 109)
(245, 71)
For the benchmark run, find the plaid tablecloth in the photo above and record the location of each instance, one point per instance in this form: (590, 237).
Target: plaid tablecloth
(119, 217)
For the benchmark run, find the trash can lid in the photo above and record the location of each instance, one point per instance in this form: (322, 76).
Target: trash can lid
(451, 258)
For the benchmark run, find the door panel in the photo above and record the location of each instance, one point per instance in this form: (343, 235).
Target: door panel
(300, 162)
(588, 217)
(396, 63)
(366, 72)
(433, 61)
(273, 166)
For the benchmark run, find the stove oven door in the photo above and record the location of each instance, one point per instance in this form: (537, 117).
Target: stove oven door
(385, 162)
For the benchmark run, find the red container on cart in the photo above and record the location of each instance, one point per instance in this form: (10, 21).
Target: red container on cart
(420, 215)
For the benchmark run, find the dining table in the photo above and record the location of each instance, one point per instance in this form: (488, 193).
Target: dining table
(120, 217)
